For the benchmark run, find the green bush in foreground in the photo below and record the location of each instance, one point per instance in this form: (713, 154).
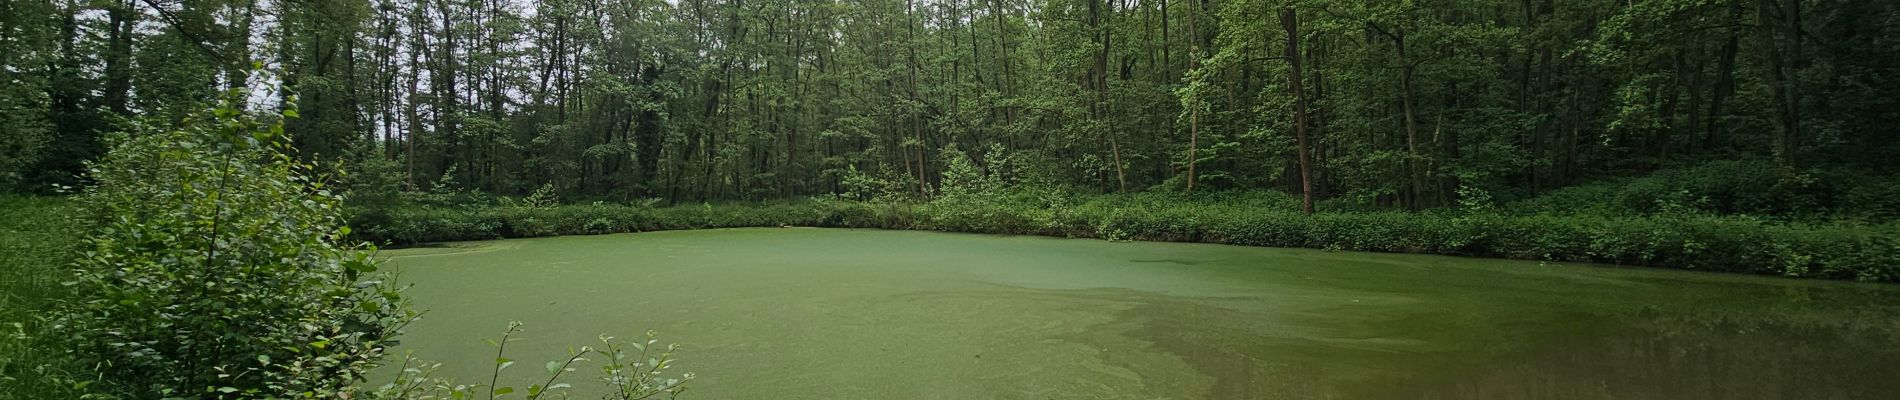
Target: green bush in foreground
(1734, 244)
(219, 269)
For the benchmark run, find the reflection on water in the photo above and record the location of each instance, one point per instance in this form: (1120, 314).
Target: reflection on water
(1751, 357)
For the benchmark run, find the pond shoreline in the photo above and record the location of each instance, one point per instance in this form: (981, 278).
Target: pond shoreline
(1703, 244)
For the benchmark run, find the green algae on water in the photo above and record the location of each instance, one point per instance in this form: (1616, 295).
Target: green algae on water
(869, 314)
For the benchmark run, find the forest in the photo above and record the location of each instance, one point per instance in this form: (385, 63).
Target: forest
(1409, 105)
(1751, 136)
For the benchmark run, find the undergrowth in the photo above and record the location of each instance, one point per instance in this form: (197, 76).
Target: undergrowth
(1839, 250)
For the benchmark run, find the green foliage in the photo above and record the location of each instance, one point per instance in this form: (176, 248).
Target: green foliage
(876, 185)
(36, 229)
(1407, 104)
(28, 132)
(542, 198)
(423, 224)
(631, 370)
(35, 233)
(219, 268)
(26, 139)
(1878, 200)
(1688, 241)
(1754, 187)
(977, 199)
(371, 183)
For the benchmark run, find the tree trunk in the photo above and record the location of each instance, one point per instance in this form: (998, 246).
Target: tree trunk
(1290, 21)
(1407, 96)
(1724, 87)
(120, 20)
(1100, 20)
(1774, 42)
(1194, 108)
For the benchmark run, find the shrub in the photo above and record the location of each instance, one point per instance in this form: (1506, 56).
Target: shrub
(1754, 187)
(1691, 241)
(1874, 199)
(219, 269)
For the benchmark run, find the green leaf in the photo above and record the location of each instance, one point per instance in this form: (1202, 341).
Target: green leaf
(504, 390)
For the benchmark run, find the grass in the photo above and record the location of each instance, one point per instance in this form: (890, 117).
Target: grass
(37, 235)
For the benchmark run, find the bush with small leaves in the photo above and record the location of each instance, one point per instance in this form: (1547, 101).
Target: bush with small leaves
(220, 268)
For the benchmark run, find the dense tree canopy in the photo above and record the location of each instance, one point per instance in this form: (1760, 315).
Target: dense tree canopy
(1389, 103)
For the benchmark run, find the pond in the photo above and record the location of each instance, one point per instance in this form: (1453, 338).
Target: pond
(800, 313)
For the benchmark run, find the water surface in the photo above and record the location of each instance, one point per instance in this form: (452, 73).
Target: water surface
(870, 314)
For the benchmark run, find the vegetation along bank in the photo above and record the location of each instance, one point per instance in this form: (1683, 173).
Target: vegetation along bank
(1831, 250)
